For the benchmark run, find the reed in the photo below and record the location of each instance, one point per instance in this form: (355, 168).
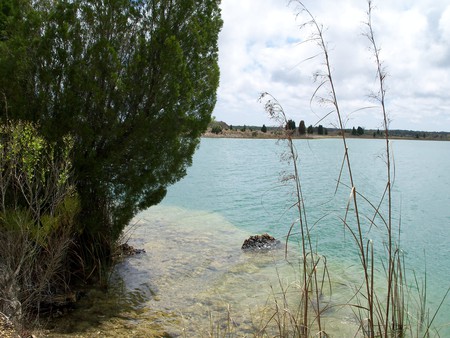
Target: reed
(313, 267)
(381, 303)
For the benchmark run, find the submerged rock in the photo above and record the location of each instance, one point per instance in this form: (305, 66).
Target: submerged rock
(261, 242)
(127, 250)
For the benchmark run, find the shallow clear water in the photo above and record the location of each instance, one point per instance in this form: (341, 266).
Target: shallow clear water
(194, 276)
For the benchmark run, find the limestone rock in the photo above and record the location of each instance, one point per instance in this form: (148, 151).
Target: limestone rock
(263, 242)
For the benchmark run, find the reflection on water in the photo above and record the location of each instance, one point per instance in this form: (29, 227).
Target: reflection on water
(192, 281)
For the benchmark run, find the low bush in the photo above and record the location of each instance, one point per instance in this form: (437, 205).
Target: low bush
(216, 129)
(38, 207)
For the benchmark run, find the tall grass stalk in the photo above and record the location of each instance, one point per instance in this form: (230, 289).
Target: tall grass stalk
(384, 314)
(395, 301)
(312, 282)
(380, 313)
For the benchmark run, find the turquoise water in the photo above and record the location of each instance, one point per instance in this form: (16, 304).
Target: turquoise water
(239, 179)
(194, 280)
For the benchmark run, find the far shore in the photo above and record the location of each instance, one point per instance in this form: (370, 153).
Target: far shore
(277, 134)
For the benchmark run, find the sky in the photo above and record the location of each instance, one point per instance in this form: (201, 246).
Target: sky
(262, 48)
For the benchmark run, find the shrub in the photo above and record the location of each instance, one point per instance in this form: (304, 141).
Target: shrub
(216, 129)
(38, 206)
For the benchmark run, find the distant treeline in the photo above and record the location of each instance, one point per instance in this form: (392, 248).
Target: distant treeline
(354, 131)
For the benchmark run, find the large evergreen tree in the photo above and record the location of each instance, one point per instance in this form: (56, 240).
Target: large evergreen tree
(134, 81)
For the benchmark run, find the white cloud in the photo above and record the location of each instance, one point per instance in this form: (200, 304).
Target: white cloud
(444, 25)
(260, 50)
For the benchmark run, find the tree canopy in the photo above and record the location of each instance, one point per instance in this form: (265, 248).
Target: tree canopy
(302, 128)
(290, 125)
(320, 130)
(134, 82)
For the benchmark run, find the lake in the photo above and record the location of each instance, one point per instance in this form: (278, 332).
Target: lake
(194, 280)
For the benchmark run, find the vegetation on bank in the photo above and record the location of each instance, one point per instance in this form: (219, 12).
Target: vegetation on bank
(222, 129)
(38, 209)
(112, 98)
(101, 108)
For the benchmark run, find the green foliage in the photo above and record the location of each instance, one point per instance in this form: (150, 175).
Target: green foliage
(35, 180)
(33, 257)
(320, 130)
(302, 128)
(290, 125)
(16, 219)
(38, 209)
(64, 216)
(33, 174)
(216, 129)
(42, 231)
(357, 131)
(134, 82)
(310, 129)
(264, 128)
